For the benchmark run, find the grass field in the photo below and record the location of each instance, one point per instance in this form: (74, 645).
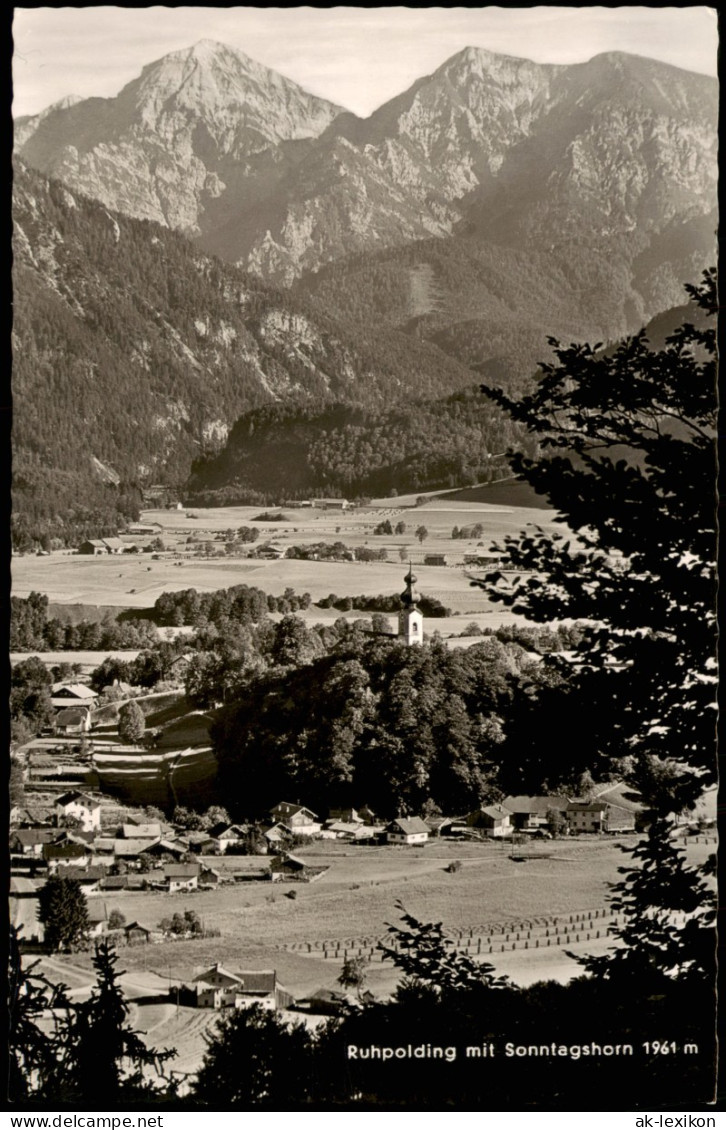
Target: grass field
(136, 581)
(356, 898)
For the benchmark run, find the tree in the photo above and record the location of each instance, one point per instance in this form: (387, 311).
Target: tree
(628, 442)
(116, 920)
(556, 821)
(215, 814)
(353, 974)
(186, 819)
(254, 1058)
(109, 1059)
(419, 949)
(131, 723)
(658, 945)
(63, 910)
(422, 533)
(36, 1056)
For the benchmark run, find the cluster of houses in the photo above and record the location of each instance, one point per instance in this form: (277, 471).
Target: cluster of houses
(612, 808)
(75, 835)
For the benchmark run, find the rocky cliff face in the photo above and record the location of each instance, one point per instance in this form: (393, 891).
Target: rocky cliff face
(211, 143)
(160, 149)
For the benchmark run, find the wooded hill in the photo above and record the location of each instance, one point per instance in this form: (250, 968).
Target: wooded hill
(274, 453)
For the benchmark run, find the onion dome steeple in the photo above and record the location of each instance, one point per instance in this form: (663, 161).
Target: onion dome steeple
(410, 619)
(410, 597)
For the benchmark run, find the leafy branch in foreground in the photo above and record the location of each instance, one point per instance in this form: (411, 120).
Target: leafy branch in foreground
(669, 912)
(629, 461)
(427, 957)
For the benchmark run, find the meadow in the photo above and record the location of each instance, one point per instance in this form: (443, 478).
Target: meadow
(356, 898)
(136, 581)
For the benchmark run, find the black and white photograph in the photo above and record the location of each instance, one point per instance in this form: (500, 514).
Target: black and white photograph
(363, 531)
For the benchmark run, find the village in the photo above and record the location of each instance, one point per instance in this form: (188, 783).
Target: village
(212, 914)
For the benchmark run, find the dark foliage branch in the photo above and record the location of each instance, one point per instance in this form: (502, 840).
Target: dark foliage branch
(628, 443)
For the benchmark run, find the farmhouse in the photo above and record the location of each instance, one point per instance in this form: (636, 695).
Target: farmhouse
(136, 934)
(139, 530)
(77, 855)
(483, 558)
(333, 504)
(328, 1002)
(32, 816)
(341, 830)
(228, 835)
(276, 834)
(219, 988)
(182, 876)
(407, 830)
(200, 843)
(132, 849)
(345, 815)
(287, 867)
(71, 694)
(587, 816)
(97, 920)
(435, 559)
(96, 547)
(30, 841)
(533, 811)
(89, 877)
(80, 806)
(141, 831)
(72, 720)
(296, 818)
(493, 820)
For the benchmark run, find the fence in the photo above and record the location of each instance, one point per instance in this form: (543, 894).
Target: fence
(481, 940)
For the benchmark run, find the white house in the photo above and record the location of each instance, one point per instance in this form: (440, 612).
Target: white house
(296, 818)
(182, 876)
(492, 820)
(407, 830)
(81, 807)
(71, 694)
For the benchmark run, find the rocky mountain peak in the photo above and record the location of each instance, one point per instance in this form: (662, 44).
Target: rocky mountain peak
(226, 89)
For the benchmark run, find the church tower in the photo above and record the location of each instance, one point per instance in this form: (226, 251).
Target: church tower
(410, 620)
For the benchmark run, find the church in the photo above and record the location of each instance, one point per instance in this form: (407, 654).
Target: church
(410, 618)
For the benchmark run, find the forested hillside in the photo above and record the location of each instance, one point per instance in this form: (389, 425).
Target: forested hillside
(133, 354)
(492, 306)
(275, 453)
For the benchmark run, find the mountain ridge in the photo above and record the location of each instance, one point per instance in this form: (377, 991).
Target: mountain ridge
(252, 166)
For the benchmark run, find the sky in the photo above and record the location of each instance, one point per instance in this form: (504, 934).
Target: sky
(356, 57)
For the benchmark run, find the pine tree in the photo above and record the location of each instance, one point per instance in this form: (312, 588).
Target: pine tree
(110, 1062)
(63, 910)
(131, 723)
(669, 913)
(628, 459)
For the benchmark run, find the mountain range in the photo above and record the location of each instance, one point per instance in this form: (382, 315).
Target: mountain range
(215, 239)
(213, 144)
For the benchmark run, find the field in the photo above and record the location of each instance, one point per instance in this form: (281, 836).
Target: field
(356, 899)
(135, 581)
